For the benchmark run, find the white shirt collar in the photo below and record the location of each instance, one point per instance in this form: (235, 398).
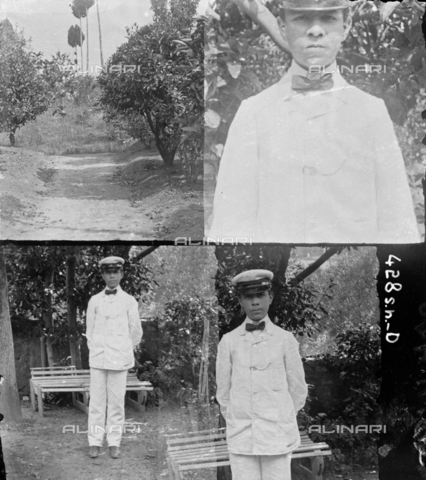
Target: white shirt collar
(296, 69)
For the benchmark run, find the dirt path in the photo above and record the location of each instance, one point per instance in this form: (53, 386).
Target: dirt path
(38, 448)
(90, 197)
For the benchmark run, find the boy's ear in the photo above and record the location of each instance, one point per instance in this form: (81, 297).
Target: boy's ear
(281, 26)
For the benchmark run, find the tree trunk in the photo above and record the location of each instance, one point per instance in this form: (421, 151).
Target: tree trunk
(43, 353)
(81, 45)
(72, 309)
(100, 34)
(47, 314)
(12, 137)
(10, 406)
(87, 40)
(167, 155)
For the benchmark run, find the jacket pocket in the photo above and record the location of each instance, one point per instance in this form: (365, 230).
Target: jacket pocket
(270, 376)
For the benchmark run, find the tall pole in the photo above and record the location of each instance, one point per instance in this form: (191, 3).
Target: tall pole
(100, 34)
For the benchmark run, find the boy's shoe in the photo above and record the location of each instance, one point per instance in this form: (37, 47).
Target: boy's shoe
(114, 452)
(94, 451)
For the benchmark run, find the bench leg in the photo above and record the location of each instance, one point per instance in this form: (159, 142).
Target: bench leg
(86, 401)
(176, 472)
(40, 401)
(170, 468)
(73, 395)
(32, 396)
(317, 468)
(142, 396)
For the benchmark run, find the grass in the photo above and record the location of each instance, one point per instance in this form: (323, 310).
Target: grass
(82, 130)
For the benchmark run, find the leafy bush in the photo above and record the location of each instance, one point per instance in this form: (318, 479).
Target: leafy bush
(350, 402)
(176, 373)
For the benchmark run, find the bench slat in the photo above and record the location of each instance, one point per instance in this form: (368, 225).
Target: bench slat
(196, 439)
(208, 448)
(205, 465)
(192, 447)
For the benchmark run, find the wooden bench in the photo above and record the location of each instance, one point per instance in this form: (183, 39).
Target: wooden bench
(69, 379)
(208, 448)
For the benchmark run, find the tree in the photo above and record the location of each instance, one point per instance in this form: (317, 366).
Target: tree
(9, 398)
(80, 9)
(79, 13)
(72, 41)
(75, 38)
(24, 93)
(148, 76)
(72, 306)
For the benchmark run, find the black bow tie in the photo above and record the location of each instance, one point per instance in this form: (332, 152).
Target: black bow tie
(313, 81)
(111, 292)
(255, 326)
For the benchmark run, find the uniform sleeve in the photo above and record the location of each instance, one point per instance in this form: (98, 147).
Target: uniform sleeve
(235, 200)
(396, 218)
(223, 375)
(135, 326)
(295, 374)
(90, 321)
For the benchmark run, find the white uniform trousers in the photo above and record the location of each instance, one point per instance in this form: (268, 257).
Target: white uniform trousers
(107, 392)
(260, 467)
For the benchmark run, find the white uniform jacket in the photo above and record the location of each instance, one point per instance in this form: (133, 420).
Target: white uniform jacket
(113, 330)
(260, 388)
(313, 167)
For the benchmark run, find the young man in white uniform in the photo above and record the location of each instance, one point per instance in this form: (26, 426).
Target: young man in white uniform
(313, 159)
(113, 330)
(260, 386)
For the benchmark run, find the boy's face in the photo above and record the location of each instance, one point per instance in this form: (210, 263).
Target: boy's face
(314, 37)
(256, 305)
(112, 278)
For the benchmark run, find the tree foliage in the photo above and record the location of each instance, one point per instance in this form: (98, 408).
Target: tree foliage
(29, 83)
(351, 400)
(30, 296)
(75, 36)
(176, 372)
(24, 93)
(154, 76)
(347, 287)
